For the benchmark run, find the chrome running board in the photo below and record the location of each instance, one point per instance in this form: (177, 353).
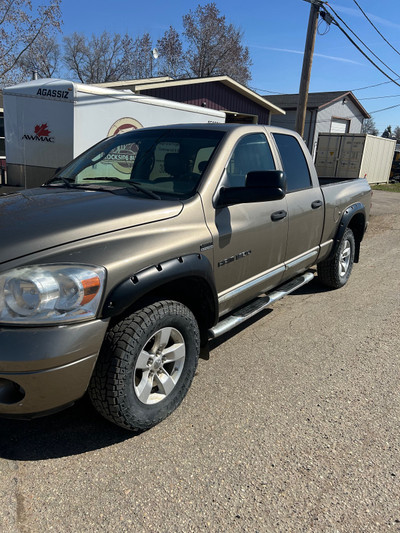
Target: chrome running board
(259, 304)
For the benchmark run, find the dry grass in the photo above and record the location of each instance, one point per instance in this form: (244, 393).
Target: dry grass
(391, 187)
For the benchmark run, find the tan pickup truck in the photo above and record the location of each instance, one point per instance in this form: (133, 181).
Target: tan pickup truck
(152, 242)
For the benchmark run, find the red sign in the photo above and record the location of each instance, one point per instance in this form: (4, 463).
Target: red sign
(42, 130)
(41, 133)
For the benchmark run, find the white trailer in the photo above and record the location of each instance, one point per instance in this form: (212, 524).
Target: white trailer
(48, 122)
(354, 155)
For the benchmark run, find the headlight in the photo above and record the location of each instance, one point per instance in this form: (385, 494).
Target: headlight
(50, 293)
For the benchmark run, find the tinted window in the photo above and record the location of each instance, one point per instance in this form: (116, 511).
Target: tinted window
(251, 153)
(294, 162)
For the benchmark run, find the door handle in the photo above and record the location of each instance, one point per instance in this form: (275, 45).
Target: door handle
(316, 204)
(278, 215)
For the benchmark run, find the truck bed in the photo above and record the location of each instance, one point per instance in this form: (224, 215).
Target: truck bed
(340, 193)
(330, 180)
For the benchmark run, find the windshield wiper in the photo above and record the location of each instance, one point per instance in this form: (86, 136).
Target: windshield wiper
(130, 183)
(66, 182)
(139, 188)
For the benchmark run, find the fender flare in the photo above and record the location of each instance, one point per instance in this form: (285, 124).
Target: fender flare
(347, 216)
(126, 293)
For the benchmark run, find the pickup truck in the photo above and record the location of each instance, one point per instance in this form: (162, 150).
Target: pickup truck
(115, 272)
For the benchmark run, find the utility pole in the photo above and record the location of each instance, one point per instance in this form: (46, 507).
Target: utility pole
(307, 63)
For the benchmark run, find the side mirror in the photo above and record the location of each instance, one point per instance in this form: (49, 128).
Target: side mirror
(261, 186)
(267, 179)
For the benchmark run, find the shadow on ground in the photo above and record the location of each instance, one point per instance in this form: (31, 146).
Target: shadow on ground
(74, 431)
(80, 429)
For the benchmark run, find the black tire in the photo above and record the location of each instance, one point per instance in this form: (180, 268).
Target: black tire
(335, 271)
(146, 365)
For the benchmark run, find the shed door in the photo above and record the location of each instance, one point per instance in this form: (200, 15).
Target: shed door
(340, 125)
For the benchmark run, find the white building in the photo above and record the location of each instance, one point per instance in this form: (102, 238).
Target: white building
(327, 112)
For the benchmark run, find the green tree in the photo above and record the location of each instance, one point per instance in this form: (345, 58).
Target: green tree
(388, 132)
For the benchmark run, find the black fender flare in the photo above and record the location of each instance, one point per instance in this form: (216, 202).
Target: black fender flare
(347, 216)
(129, 291)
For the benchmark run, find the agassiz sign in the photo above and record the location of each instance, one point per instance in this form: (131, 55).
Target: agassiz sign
(53, 93)
(41, 133)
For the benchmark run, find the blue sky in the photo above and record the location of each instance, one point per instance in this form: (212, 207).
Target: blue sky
(275, 33)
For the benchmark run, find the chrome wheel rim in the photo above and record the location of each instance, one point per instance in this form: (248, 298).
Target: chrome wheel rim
(344, 260)
(159, 366)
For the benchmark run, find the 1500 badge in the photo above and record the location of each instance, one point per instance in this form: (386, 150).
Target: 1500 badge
(234, 258)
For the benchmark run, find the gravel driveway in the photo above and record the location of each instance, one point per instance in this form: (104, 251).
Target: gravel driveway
(292, 424)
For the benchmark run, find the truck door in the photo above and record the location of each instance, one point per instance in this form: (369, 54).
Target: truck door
(249, 239)
(305, 206)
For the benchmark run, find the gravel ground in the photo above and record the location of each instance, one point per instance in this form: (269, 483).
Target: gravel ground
(291, 425)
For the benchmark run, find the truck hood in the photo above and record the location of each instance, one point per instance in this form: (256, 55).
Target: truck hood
(38, 219)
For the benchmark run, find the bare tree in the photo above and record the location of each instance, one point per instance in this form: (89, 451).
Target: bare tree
(171, 57)
(215, 47)
(368, 126)
(42, 57)
(140, 58)
(396, 133)
(98, 60)
(20, 28)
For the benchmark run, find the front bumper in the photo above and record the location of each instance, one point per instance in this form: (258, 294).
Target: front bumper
(45, 368)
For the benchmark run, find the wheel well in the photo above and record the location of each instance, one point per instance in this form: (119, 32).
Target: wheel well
(194, 292)
(357, 226)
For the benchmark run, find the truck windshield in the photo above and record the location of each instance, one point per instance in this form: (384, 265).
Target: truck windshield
(167, 162)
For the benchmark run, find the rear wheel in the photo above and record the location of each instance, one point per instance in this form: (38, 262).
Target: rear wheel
(146, 365)
(335, 271)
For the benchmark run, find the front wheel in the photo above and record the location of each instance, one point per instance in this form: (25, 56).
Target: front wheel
(335, 272)
(146, 365)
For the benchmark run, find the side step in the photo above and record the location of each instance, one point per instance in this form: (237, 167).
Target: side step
(257, 305)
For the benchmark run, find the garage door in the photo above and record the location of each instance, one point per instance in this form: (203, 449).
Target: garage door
(340, 125)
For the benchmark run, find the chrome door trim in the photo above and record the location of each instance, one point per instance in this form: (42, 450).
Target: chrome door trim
(303, 257)
(250, 284)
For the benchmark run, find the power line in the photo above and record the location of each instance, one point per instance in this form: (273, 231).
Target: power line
(380, 97)
(362, 51)
(375, 28)
(258, 90)
(384, 109)
(282, 121)
(319, 3)
(371, 86)
(361, 41)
